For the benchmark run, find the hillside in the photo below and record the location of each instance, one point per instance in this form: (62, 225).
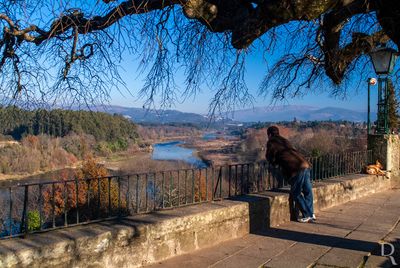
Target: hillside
(19, 123)
(303, 113)
(257, 114)
(140, 115)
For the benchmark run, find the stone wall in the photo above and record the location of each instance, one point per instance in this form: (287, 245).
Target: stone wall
(386, 149)
(346, 189)
(274, 206)
(131, 242)
(146, 239)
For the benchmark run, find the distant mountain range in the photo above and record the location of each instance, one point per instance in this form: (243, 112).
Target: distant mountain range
(140, 115)
(257, 114)
(302, 113)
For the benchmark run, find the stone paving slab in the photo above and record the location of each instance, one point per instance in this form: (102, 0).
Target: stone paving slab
(377, 261)
(342, 236)
(240, 260)
(340, 257)
(300, 255)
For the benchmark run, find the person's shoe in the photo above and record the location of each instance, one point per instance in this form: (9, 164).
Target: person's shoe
(313, 217)
(305, 219)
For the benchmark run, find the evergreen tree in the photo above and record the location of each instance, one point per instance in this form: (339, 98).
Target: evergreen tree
(104, 127)
(393, 105)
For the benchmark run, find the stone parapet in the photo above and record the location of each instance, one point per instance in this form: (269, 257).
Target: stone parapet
(149, 238)
(274, 206)
(386, 149)
(395, 182)
(131, 242)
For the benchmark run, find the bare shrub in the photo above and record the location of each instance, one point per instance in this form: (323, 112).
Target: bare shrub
(253, 146)
(142, 163)
(19, 159)
(36, 153)
(61, 158)
(78, 145)
(322, 142)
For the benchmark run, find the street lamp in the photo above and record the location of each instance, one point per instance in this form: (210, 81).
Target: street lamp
(383, 59)
(371, 82)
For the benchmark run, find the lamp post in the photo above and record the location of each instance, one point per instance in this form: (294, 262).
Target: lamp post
(371, 82)
(383, 59)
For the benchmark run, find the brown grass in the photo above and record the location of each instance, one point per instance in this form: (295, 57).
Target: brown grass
(142, 163)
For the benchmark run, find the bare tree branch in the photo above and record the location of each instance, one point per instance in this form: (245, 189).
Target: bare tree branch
(51, 48)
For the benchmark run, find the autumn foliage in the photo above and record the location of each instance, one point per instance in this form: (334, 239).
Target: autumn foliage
(90, 192)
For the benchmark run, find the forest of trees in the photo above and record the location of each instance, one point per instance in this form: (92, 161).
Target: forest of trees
(51, 139)
(18, 123)
(352, 128)
(157, 132)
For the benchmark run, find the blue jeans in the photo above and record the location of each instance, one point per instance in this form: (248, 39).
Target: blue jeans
(301, 190)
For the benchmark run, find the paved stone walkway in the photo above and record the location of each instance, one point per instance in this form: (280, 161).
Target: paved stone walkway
(343, 236)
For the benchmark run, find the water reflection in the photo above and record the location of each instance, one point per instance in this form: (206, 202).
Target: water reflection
(172, 151)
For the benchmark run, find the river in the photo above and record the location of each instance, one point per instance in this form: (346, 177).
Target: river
(170, 151)
(173, 151)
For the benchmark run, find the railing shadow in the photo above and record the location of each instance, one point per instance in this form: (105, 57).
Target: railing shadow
(369, 248)
(319, 239)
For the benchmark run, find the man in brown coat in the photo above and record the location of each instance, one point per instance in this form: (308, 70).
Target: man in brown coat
(295, 168)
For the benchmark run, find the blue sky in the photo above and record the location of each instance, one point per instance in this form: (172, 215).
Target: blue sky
(255, 71)
(256, 68)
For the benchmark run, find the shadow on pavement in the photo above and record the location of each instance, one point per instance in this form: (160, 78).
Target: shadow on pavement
(374, 248)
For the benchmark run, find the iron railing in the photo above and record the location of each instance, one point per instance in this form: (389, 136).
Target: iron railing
(333, 165)
(36, 207)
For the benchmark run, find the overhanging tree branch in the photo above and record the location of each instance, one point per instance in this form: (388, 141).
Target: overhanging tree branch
(81, 39)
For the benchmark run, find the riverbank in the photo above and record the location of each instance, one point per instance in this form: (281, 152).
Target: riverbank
(226, 150)
(143, 163)
(174, 138)
(21, 176)
(216, 151)
(105, 161)
(118, 164)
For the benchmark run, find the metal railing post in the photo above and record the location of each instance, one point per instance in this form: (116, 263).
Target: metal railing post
(10, 215)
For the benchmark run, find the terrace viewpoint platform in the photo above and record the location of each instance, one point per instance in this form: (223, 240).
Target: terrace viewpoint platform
(245, 229)
(347, 235)
(255, 219)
